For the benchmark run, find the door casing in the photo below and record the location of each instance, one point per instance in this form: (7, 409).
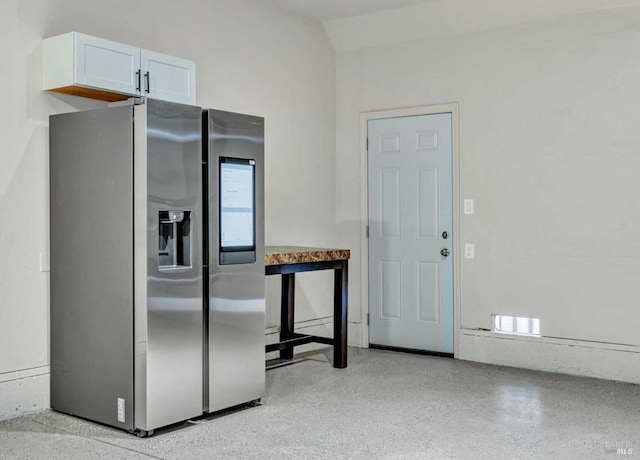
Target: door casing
(453, 109)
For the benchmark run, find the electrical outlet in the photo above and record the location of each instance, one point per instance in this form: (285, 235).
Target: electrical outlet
(44, 262)
(469, 251)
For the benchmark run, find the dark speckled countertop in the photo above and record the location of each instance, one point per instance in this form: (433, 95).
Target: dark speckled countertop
(279, 255)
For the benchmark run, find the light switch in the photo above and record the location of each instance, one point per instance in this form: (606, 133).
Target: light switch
(468, 206)
(44, 261)
(469, 251)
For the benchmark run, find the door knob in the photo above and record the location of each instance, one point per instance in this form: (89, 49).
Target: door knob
(445, 235)
(445, 252)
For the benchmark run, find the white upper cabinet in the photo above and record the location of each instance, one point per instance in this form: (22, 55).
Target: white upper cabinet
(168, 78)
(106, 65)
(83, 65)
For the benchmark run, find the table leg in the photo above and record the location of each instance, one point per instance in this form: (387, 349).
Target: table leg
(287, 319)
(340, 316)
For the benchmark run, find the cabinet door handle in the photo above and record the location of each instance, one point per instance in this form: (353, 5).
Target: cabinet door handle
(139, 75)
(148, 82)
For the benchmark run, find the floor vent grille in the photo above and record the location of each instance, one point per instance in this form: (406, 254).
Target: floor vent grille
(518, 325)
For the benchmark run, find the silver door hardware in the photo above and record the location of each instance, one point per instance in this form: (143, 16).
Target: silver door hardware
(445, 252)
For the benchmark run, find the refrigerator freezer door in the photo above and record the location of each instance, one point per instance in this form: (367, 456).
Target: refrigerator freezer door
(168, 298)
(236, 292)
(91, 265)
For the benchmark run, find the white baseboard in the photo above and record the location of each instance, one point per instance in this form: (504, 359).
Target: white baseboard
(563, 356)
(24, 392)
(607, 361)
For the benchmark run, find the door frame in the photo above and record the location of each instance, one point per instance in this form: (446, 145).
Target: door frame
(453, 109)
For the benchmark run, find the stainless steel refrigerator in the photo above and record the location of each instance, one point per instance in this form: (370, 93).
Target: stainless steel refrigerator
(131, 329)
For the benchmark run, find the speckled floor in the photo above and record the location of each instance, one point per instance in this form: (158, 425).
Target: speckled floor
(384, 405)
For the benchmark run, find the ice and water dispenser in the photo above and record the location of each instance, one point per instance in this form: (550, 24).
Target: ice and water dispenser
(174, 229)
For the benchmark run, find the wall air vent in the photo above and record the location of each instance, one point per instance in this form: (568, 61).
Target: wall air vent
(517, 325)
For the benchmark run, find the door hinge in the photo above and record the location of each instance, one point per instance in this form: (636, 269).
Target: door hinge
(367, 231)
(367, 319)
(367, 144)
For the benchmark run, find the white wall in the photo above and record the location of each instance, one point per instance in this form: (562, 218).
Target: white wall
(549, 149)
(249, 60)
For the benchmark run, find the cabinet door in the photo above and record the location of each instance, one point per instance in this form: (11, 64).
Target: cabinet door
(106, 65)
(168, 78)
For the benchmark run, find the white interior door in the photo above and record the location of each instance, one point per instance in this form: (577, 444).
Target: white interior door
(411, 232)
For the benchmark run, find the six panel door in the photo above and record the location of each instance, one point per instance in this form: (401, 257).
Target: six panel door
(410, 232)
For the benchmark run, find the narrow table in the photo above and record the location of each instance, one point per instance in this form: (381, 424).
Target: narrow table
(289, 260)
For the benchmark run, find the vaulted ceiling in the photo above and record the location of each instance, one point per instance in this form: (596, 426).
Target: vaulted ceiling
(329, 10)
